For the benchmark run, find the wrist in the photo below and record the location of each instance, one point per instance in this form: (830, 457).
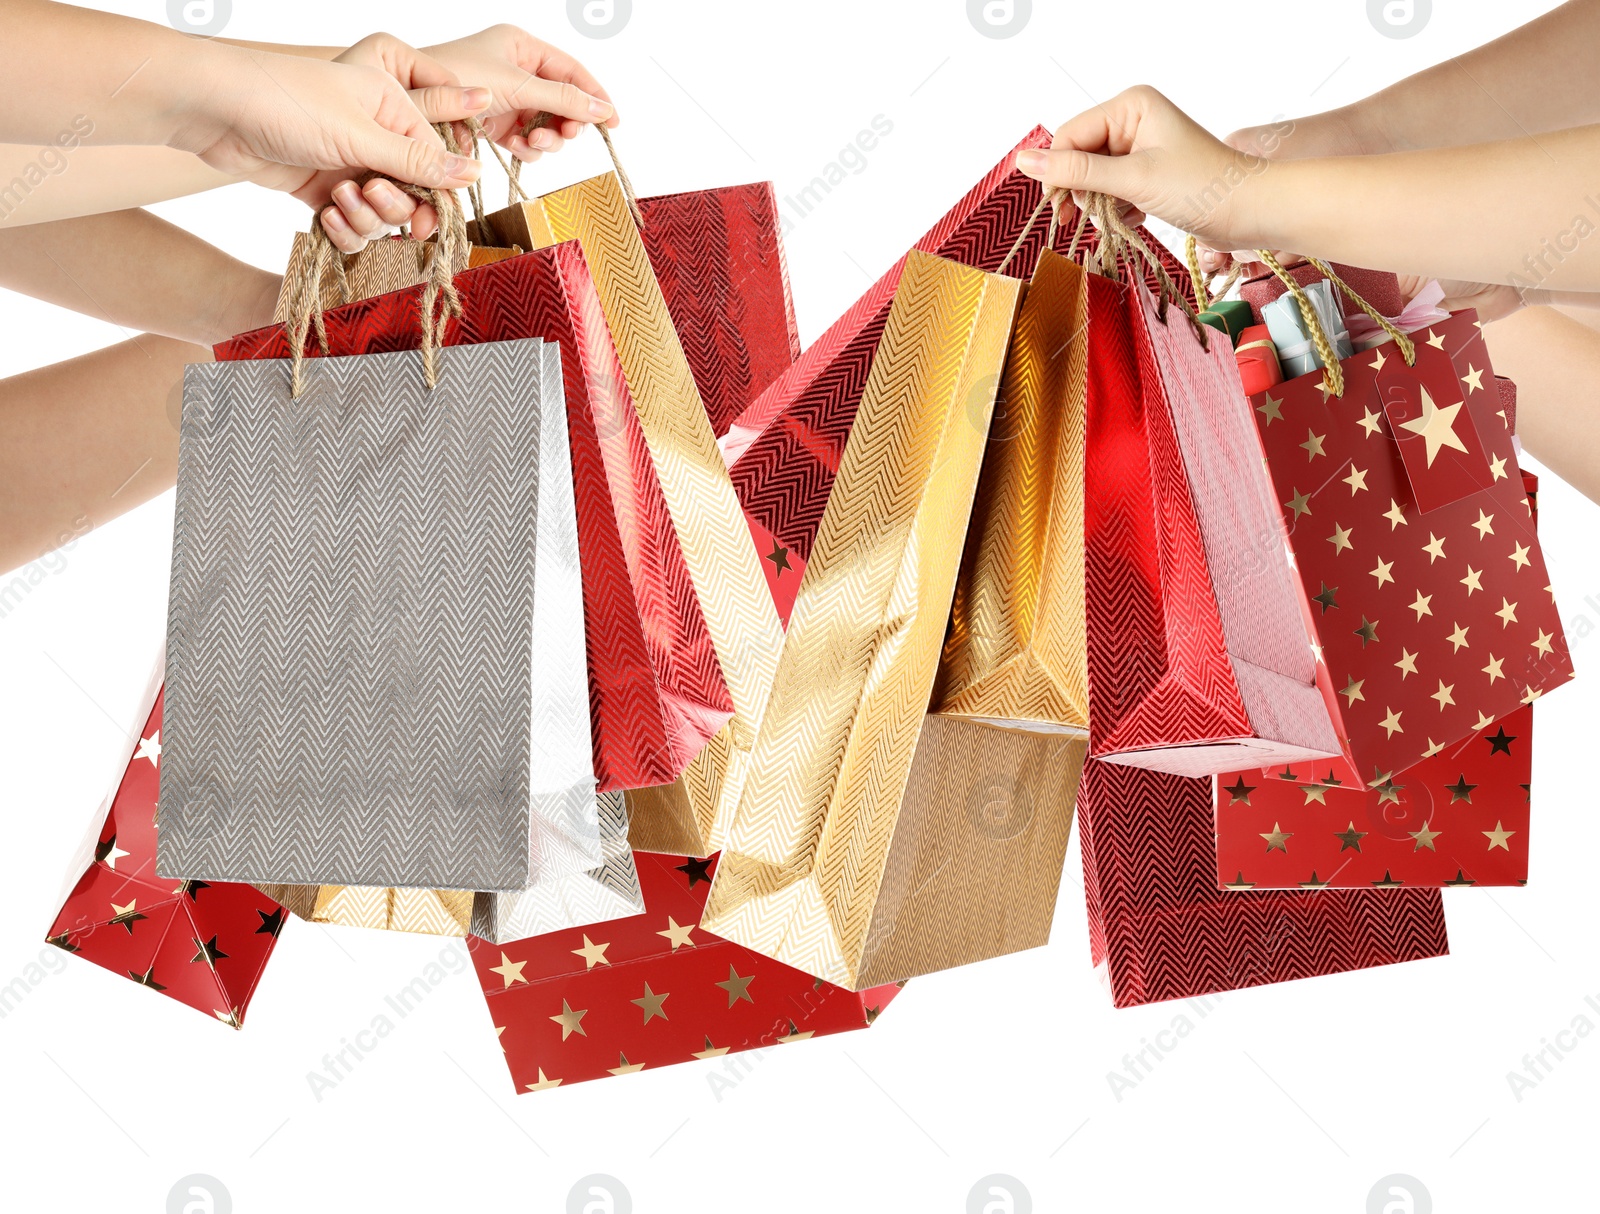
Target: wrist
(213, 75)
(1366, 131)
(247, 304)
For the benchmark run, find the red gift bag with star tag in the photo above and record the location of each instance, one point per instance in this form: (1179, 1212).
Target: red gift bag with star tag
(205, 944)
(1458, 818)
(1414, 546)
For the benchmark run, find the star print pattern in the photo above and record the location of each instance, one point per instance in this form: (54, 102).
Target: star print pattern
(202, 943)
(650, 990)
(1441, 521)
(1459, 817)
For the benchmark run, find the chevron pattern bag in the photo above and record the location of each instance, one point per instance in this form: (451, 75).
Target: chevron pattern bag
(1161, 929)
(874, 843)
(691, 815)
(718, 255)
(656, 690)
(1198, 655)
(361, 688)
(1017, 651)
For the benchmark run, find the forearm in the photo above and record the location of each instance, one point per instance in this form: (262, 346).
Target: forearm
(1540, 77)
(87, 440)
(1555, 362)
(134, 81)
(36, 185)
(286, 48)
(138, 272)
(1518, 212)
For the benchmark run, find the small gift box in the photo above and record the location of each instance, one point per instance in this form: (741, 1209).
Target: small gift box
(1230, 316)
(1257, 359)
(1297, 352)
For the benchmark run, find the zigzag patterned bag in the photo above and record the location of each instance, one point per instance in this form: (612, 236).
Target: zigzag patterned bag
(375, 625)
(1198, 655)
(691, 815)
(718, 255)
(874, 842)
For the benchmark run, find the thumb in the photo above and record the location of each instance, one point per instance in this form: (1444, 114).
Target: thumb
(421, 161)
(1068, 168)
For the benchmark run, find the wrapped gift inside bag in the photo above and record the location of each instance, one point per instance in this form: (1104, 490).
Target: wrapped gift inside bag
(875, 842)
(1198, 655)
(1414, 545)
(355, 683)
(204, 943)
(690, 816)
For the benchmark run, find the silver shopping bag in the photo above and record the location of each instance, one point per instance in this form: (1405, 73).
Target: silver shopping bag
(375, 654)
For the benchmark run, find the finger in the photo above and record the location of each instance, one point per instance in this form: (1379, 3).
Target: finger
(561, 99)
(394, 206)
(522, 150)
(420, 159)
(556, 64)
(450, 103)
(425, 222)
(358, 216)
(543, 139)
(339, 232)
(424, 71)
(1071, 169)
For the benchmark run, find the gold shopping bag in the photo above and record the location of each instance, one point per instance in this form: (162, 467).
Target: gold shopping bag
(1017, 650)
(690, 816)
(874, 843)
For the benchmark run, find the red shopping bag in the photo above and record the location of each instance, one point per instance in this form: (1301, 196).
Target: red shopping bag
(1198, 656)
(656, 689)
(1162, 929)
(203, 943)
(785, 448)
(718, 255)
(1414, 544)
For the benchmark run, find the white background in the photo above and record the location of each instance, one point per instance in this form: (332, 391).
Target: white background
(1293, 1097)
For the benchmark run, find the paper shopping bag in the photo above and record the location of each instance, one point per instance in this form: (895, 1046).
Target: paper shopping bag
(1161, 929)
(1414, 546)
(1460, 817)
(656, 693)
(718, 255)
(358, 681)
(858, 853)
(205, 944)
(601, 893)
(1198, 656)
(692, 815)
(1016, 651)
(651, 990)
(391, 264)
(1457, 819)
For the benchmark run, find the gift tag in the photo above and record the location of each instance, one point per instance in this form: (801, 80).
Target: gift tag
(1429, 420)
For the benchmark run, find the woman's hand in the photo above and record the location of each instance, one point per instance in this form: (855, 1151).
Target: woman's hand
(363, 213)
(1144, 150)
(516, 78)
(284, 121)
(527, 78)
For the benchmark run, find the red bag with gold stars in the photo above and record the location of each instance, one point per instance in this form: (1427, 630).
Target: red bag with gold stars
(1413, 541)
(202, 943)
(651, 990)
